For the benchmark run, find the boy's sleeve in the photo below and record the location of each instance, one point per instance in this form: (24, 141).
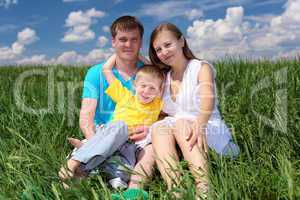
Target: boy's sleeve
(117, 91)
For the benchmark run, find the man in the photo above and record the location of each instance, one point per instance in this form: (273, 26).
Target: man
(97, 107)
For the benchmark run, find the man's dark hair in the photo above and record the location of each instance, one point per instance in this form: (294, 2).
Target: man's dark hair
(126, 23)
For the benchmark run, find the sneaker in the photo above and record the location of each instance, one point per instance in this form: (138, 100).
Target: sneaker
(131, 194)
(118, 183)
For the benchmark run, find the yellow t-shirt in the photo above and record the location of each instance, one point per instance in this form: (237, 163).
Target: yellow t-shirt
(129, 109)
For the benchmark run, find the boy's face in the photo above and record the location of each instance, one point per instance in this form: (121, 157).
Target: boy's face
(147, 88)
(127, 44)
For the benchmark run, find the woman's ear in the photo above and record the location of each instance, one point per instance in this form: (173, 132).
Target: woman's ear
(181, 41)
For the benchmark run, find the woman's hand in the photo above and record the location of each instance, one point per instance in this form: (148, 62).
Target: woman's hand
(197, 135)
(184, 127)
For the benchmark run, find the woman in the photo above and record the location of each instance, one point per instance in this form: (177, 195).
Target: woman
(189, 101)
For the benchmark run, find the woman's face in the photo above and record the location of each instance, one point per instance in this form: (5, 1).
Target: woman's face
(167, 47)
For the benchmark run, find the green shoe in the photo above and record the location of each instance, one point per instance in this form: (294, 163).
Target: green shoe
(131, 194)
(116, 196)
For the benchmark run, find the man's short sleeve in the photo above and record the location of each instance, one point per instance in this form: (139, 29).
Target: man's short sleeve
(91, 85)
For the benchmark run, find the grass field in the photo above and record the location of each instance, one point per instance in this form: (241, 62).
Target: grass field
(259, 100)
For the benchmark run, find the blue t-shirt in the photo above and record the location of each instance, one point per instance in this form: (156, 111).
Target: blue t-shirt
(94, 87)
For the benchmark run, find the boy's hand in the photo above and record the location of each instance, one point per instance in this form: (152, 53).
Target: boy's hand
(110, 62)
(107, 69)
(139, 133)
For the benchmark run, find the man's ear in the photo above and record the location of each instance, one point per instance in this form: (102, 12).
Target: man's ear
(113, 42)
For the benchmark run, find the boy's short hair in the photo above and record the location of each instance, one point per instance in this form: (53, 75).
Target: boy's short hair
(151, 70)
(126, 23)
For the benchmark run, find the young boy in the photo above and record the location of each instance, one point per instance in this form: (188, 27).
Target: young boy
(131, 112)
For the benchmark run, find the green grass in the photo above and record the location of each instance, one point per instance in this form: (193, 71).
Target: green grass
(259, 100)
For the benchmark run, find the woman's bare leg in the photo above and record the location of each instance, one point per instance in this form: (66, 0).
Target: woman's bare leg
(144, 167)
(197, 160)
(166, 156)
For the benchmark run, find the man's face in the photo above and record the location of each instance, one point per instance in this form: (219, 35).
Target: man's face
(127, 44)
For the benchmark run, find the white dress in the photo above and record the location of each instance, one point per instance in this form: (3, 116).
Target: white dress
(187, 106)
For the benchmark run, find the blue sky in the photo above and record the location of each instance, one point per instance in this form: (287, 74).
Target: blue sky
(75, 31)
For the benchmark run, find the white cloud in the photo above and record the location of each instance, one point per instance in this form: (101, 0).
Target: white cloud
(224, 36)
(17, 48)
(25, 37)
(117, 1)
(6, 53)
(102, 41)
(169, 9)
(7, 3)
(266, 18)
(34, 60)
(93, 57)
(106, 29)
(289, 54)
(281, 30)
(69, 1)
(194, 14)
(69, 58)
(5, 28)
(235, 36)
(79, 24)
(14, 53)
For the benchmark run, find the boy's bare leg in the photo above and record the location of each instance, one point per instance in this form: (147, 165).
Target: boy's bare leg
(143, 168)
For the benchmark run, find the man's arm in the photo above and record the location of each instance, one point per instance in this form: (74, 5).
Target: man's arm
(86, 118)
